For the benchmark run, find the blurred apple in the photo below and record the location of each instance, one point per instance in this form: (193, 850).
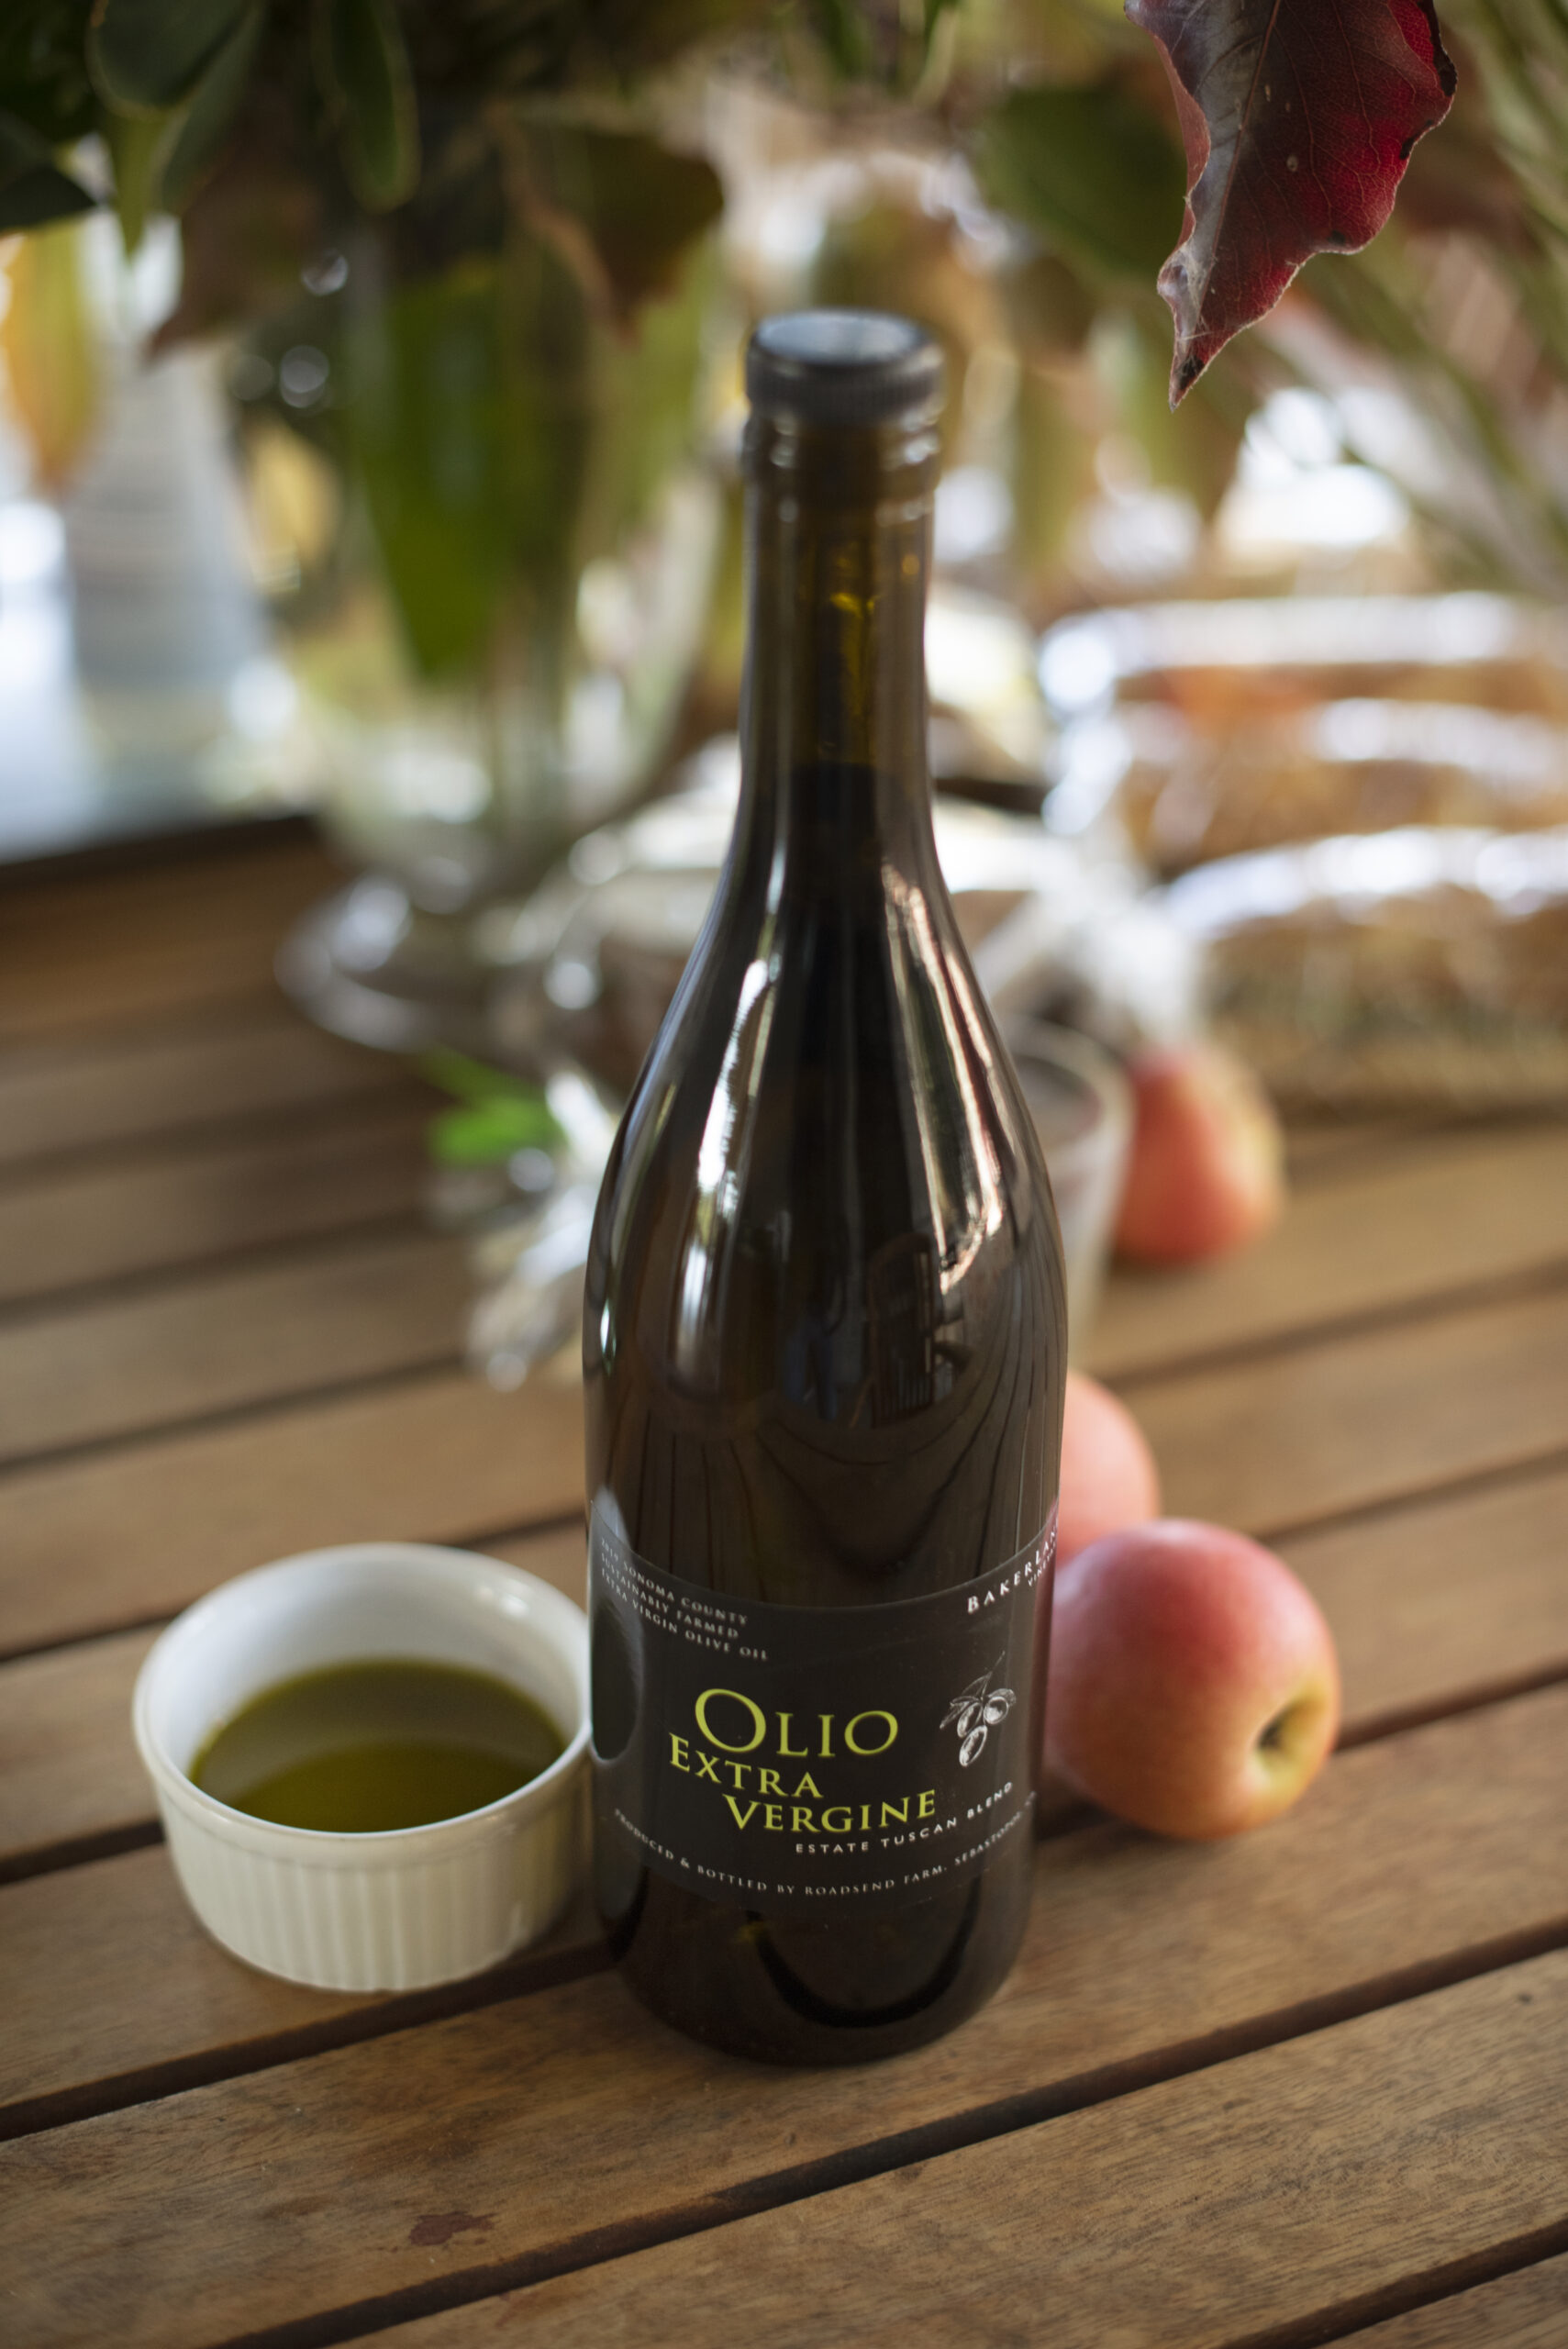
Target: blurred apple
(1193, 1686)
(1206, 1172)
(1109, 1477)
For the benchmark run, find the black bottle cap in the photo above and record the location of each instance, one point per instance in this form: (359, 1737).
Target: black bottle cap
(847, 367)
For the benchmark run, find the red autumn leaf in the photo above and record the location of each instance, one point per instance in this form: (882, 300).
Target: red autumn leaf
(1298, 117)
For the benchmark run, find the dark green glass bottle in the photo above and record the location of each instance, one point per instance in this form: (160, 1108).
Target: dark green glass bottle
(824, 1341)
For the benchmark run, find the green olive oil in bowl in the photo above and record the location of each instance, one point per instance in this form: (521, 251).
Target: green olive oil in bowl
(365, 1749)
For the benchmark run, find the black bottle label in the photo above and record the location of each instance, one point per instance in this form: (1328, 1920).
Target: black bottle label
(798, 1759)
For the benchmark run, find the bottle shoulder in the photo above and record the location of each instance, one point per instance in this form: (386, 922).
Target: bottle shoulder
(832, 1063)
(826, 1288)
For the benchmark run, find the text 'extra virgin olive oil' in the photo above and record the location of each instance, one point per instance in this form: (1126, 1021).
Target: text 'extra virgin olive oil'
(824, 1341)
(360, 1749)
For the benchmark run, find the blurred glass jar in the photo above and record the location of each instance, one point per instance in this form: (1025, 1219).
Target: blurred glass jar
(489, 535)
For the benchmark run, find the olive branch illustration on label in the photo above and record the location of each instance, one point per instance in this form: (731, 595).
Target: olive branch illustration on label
(974, 1714)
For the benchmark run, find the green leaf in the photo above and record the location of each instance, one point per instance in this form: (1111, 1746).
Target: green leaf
(640, 204)
(1048, 306)
(473, 1080)
(426, 427)
(32, 190)
(213, 108)
(1193, 447)
(491, 1131)
(362, 66)
(43, 72)
(138, 144)
(503, 420)
(843, 32)
(21, 150)
(148, 55)
(1051, 476)
(1094, 174)
(49, 349)
(34, 198)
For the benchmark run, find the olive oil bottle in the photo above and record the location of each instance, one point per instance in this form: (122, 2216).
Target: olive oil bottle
(824, 1342)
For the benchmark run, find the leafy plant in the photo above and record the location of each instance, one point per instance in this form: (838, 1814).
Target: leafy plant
(509, 146)
(1298, 124)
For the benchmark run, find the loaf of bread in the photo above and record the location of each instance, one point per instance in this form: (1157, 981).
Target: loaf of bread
(1417, 965)
(1225, 662)
(1183, 795)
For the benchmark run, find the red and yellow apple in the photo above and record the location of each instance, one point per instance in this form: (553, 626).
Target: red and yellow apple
(1194, 1687)
(1109, 1477)
(1206, 1170)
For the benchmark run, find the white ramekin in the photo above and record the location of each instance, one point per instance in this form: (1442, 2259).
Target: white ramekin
(392, 1911)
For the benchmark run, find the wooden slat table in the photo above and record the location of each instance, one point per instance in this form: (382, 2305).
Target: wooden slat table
(1310, 2086)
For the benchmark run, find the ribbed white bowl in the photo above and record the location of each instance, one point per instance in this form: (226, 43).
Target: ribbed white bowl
(370, 1912)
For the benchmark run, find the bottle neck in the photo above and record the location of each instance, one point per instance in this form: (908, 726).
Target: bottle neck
(833, 715)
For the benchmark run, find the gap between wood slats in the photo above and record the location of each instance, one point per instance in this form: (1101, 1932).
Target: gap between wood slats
(1420, 1654)
(1066, 1818)
(533, 1970)
(1469, 1209)
(528, 2101)
(315, 1317)
(490, 1538)
(1527, 1285)
(422, 1457)
(149, 988)
(199, 1423)
(195, 881)
(177, 1077)
(1525, 2306)
(1493, 1478)
(1084, 1870)
(541, 1970)
(154, 1282)
(287, 1254)
(1183, 1417)
(80, 1851)
(1435, 2288)
(852, 2172)
(133, 958)
(1533, 2320)
(401, 1104)
(124, 859)
(1508, 1477)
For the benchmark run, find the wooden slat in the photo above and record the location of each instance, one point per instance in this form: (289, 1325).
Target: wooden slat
(1321, 1148)
(1468, 1210)
(1526, 2311)
(1266, 1446)
(95, 1544)
(180, 1075)
(1415, 1630)
(1319, 2178)
(1340, 1425)
(235, 2019)
(73, 910)
(569, 2112)
(68, 1770)
(195, 1201)
(357, 1308)
(99, 953)
(1467, 1593)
